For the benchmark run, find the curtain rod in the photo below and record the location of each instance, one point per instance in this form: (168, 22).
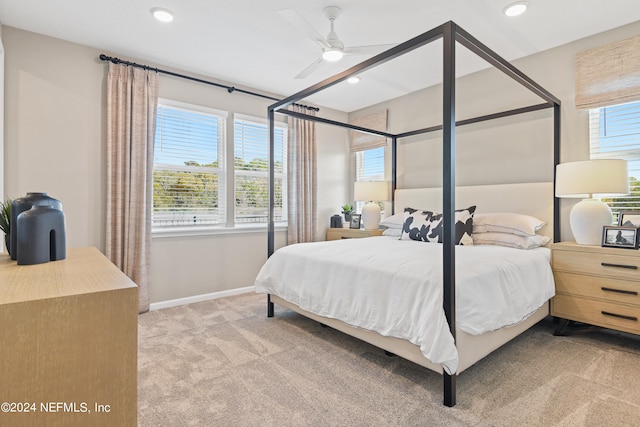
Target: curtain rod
(229, 89)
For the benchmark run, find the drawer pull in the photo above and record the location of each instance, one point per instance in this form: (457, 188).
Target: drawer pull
(630, 267)
(620, 316)
(620, 291)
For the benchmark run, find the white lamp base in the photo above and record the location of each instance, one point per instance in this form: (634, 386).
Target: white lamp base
(370, 216)
(587, 219)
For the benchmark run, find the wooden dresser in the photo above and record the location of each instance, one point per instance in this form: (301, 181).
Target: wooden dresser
(597, 285)
(68, 342)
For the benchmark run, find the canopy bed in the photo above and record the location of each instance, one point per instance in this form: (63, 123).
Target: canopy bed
(461, 348)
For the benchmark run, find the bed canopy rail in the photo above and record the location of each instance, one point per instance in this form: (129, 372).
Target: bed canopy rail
(450, 33)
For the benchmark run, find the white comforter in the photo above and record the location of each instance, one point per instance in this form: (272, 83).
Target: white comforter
(394, 287)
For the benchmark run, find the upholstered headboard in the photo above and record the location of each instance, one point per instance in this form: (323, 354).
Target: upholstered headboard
(535, 199)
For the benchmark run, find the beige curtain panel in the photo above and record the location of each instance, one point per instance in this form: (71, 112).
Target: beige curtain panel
(360, 141)
(132, 98)
(608, 75)
(302, 211)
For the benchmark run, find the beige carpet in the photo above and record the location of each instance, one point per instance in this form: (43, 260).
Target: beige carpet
(224, 363)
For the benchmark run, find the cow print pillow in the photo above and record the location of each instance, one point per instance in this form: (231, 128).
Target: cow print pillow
(427, 226)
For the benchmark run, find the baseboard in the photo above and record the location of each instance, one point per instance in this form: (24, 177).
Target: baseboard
(199, 298)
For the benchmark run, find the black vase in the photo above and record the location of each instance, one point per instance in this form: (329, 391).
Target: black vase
(41, 235)
(24, 204)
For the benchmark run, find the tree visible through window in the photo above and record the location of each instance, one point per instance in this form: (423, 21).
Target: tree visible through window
(188, 171)
(369, 167)
(251, 145)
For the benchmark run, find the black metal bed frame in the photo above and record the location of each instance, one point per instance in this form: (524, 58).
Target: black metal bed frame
(450, 34)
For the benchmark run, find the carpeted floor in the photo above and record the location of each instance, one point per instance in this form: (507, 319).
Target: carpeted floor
(224, 363)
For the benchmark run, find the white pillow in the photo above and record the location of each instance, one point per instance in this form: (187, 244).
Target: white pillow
(393, 221)
(506, 222)
(392, 232)
(510, 240)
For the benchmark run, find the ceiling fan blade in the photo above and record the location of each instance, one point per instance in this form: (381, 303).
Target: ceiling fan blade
(303, 26)
(310, 69)
(367, 50)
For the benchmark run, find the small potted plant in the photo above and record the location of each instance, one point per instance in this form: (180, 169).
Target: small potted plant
(5, 220)
(347, 210)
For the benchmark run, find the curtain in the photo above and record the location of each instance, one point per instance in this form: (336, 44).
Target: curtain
(301, 179)
(608, 75)
(132, 98)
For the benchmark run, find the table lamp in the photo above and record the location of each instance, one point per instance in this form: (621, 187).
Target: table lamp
(370, 192)
(586, 179)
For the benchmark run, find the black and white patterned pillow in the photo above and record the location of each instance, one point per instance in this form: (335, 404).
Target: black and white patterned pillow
(427, 226)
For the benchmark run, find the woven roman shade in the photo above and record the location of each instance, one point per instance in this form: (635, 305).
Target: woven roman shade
(608, 75)
(364, 141)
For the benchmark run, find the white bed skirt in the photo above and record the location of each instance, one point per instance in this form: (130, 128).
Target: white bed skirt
(471, 348)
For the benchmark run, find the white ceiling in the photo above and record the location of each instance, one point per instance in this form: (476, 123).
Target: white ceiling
(248, 43)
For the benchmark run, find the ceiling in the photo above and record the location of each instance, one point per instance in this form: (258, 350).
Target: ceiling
(250, 44)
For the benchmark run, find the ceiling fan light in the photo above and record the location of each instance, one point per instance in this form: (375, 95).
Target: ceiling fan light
(162, 15)
(332, 55)
(515, 9)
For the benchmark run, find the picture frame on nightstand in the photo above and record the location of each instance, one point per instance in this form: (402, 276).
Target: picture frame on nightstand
(355, 221)
(629, 219)
(620, 237)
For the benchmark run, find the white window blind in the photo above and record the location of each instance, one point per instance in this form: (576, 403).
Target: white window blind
(189, 165)
(369, 167)
(614, 133)
(251, 148)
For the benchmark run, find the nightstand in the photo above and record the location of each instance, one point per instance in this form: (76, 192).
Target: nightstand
(351, 233)
(597, 285)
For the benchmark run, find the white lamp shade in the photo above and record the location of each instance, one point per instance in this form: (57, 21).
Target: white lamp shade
(585, 179)
(601, 177)
(370, 192)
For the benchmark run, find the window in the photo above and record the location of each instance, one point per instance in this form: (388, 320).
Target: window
(614, 133)
(251, 147)
(188, 167)
(369, 167)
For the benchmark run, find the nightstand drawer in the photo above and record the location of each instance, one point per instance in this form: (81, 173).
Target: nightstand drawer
(601, 264)
(608, 315)
(605, 288)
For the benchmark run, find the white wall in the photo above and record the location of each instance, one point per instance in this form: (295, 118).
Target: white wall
(515, 149)
(55, 142)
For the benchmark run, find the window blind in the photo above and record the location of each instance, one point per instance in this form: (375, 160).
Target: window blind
(363, 141)
(251, 145)
(614, 133)
(188, 169)
(608, 75)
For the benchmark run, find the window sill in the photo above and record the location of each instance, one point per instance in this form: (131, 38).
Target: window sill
(212, 231)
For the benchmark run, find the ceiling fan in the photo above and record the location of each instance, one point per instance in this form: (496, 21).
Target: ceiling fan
(332, 47)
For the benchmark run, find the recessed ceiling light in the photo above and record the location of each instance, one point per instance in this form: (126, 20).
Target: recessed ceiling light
(353, 80)
(515, 9)
(162, 14)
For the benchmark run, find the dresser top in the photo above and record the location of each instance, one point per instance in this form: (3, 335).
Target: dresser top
(573, 246)
(85, 270)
